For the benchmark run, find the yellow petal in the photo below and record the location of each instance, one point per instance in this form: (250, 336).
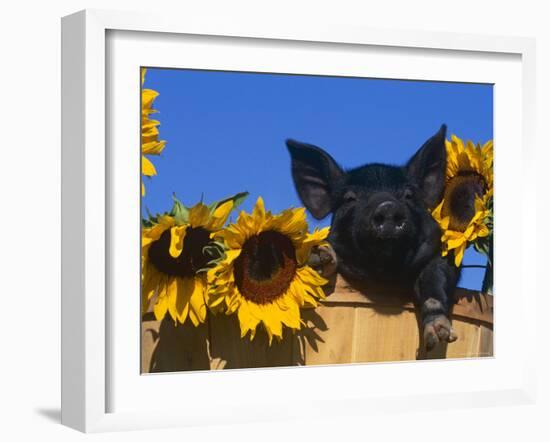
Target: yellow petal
(143, 70)
(219, 217)
(234, 238)
(454, 243)
(193, 317)
(198, 305)
(246, 320)
(177, 235)
(271, 321)
(161, 307)
(291, 222)
(185, 290)
(172, 292)
(259, 208)
(153, 233)
(198, 215)
(215, 301)
(436, 213)
(147, 97)
(147, 167)
(483, 231)
(310, 276)
(468, 232)
(148, 286)
(232, 254)
(459, 254)
(318, 235)
(153, 147)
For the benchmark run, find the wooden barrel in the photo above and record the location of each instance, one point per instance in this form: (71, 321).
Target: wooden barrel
(352, 325)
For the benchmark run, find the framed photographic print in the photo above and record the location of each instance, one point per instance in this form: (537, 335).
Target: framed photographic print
(223, 289)
(253, 211)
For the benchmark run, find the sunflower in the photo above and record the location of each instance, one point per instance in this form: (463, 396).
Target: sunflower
(176, 250)
(264, 277)
(465, 213)
(459, 240)
(150, 145)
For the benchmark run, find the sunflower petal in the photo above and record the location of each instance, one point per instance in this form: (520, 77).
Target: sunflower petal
(172, 295)
(459, 254)
(198, 305)
(457, 242)
(153, 147)
(160, 308)
(177, 235)
(198, 215)
(219, 217)
(147, 167)
(193, 317)
(185, 290)
(148, 287)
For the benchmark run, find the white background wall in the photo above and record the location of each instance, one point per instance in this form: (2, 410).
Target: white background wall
(30, 220)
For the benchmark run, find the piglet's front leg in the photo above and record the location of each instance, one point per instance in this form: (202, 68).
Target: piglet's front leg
(434, 297)
(323, 260)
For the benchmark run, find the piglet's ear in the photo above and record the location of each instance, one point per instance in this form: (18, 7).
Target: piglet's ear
(315, 175)
(427, 168)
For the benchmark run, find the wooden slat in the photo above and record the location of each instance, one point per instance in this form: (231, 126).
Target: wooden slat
(149, 340)
(351, 325)
(473, 306)
(228, 350)
(486, 341)
(384, 334)
(168, 347)
(333, 327)
(467, 344)
(470, 304)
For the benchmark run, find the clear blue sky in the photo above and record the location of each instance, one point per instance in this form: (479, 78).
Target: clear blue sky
(226, 131)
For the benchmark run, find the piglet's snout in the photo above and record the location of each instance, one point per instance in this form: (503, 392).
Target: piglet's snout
(389, 219)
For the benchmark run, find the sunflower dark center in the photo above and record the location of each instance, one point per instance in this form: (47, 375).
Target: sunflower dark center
(460, 195)
(191, 258)
(266, 266)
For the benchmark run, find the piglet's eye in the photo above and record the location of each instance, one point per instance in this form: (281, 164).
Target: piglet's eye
(350, 196)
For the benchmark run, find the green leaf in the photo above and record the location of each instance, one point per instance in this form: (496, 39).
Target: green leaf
(237, 199)
(150, 220)
(221, 245)
(215, 254)
(485, 247)
(213, 250)
(179, 211)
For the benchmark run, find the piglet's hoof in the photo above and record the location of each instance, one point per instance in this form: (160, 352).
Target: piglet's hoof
(438, 329)
(323, 260)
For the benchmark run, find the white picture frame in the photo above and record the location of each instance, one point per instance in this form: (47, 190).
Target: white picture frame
(89, 171)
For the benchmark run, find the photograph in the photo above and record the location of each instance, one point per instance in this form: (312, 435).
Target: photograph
(295, 220)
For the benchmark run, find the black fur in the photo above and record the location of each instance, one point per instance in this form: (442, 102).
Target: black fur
(382, 230)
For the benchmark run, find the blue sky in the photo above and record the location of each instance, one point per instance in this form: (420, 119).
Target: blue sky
(226, 131)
